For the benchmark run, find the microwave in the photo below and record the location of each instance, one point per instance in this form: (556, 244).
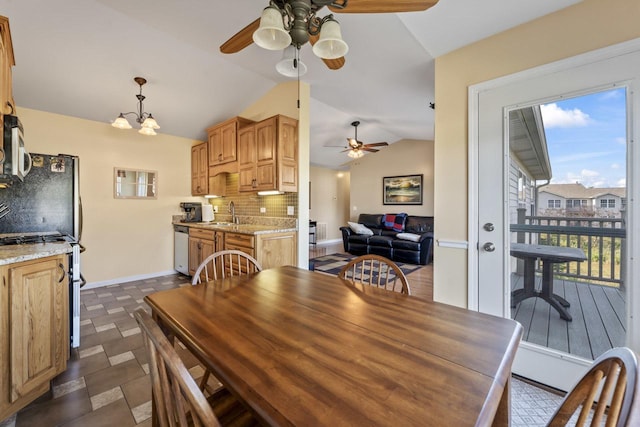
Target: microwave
(16, 161)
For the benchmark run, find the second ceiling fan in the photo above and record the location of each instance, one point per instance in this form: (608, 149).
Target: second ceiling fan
(294, 22)
(357, 148)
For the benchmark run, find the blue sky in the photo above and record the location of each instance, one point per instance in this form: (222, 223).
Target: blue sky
(586, 139)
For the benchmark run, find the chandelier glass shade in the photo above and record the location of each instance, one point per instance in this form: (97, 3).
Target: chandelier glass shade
(292, 23)
(148, 124)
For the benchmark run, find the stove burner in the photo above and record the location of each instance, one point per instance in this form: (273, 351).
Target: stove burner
(35, 238)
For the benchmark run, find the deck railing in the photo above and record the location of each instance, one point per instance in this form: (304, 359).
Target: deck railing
(602, 240)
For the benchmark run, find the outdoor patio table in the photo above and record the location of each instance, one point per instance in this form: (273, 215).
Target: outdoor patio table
(548, 255)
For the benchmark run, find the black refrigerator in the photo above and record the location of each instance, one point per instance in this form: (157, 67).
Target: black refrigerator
(48, 201)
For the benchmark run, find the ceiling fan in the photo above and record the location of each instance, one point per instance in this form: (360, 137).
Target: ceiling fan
(294, 22)
(357, 148)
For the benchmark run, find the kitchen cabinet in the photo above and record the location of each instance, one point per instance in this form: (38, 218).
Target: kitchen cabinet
(222, 140)
(202, 243)
(34, 329)
(268, 155)
(199, 170)
(269, 249)
(7, 61)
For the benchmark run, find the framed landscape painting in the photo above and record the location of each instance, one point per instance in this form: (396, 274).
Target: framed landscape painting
(402, 190)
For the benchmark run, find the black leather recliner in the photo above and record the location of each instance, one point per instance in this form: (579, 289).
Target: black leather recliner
(384, 241)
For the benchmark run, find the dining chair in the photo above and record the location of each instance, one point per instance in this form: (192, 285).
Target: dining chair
(225, 263)
(177, 398)
(612, 381)
(376, 270)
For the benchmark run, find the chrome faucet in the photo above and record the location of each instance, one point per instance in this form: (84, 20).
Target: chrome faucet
(232, 211)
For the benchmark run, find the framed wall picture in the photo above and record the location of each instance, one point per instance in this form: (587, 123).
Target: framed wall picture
(402, 190)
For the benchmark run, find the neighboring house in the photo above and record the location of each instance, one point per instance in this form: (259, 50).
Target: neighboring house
(529, 159)
(578, 200)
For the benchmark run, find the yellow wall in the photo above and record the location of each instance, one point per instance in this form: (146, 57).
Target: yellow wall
(124, 238)
(589, 25)
(405, 157)
(330, 199)
(282, 99)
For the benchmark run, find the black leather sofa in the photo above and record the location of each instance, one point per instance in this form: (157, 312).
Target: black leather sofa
(385, 242)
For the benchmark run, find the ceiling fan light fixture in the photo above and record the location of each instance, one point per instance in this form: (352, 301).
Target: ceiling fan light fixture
(291, 65)
(271, 34)
(150, 122)
(355, 154)
(330, 45)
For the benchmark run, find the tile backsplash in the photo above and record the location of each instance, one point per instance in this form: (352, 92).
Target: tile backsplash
(249, 204)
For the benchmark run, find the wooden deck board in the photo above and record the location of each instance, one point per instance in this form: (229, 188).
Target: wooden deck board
(598, 318)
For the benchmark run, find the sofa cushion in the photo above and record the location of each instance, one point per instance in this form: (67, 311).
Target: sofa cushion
(385, 241)
(406, 244)
(394, 222)
(370, 220)
(408, 236)
(418, 224)
(359, 228)
(359, 238)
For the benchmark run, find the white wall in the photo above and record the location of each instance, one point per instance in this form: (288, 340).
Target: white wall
(329, 199)
(405, 157)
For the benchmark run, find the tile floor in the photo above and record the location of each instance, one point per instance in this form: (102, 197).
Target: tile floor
(107, 381)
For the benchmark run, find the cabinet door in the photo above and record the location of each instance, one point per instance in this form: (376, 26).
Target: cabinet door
(247, 159)
(288, 154)
(277, 249)
(199, 170)
(39, 310)
(228, 140)
(215, 146)
(266, 135)
(194, 255)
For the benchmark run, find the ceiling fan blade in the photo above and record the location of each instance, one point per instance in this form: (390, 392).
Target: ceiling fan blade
(348, 149)
(241, 39)
(372, 150)
(333, 64)
(381, 6)
(376, 144)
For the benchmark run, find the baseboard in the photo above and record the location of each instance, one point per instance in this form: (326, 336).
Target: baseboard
(328, 242)
(92, 285)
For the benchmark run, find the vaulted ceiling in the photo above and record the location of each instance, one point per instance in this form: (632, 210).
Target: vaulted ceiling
(79, 57)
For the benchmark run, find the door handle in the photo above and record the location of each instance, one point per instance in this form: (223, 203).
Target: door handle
(489, 247)
(488, 227)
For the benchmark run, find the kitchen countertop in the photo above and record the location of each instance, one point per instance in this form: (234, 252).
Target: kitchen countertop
(16, 253)
(251, 229)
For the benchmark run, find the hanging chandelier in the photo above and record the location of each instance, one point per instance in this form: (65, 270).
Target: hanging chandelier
(292, 22)
(148, 124)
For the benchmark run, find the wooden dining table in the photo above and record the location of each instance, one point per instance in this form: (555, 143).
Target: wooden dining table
(303, 348)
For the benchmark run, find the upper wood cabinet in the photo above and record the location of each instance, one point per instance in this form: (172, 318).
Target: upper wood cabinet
(7, 61)
(34, 329)
(268, 155)
(223, 144)
(199, 170)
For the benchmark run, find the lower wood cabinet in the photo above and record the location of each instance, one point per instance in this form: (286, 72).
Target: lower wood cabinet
(203, 243)
(269, 249)
(34, 329)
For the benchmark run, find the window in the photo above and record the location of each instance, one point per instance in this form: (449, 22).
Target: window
(576, 203)
(607, 203)
(553, 204)
(623, 202)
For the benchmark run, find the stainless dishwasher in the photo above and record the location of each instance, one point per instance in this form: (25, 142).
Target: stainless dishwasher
(181, 249)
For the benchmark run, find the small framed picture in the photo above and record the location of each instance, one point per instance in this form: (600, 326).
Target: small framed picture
(402, 190)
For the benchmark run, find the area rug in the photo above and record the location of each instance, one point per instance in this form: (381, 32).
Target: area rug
(331, 264)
